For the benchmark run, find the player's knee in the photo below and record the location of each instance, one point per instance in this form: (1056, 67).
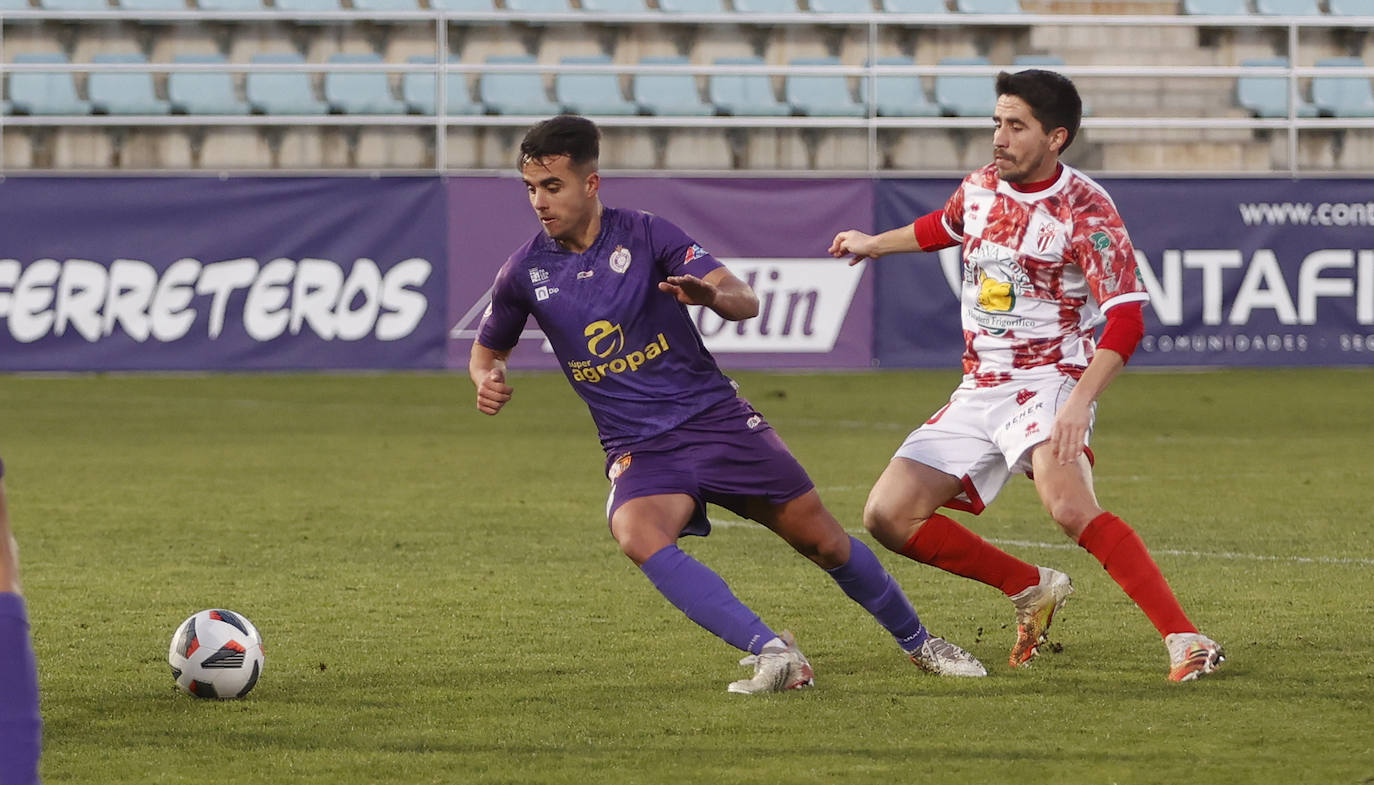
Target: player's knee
(636, 542)
(1072, 516)
(885, 523)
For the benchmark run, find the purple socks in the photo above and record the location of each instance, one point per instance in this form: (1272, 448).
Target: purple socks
(20, 725)
(867, 583)
(704, 597)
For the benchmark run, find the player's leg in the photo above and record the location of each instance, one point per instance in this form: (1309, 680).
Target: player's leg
(1067, 492)
(806, 525)
(901, 514)
(20, 725)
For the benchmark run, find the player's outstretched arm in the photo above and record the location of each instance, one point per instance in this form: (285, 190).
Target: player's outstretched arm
(860, 246)
(487, 369)
(9, 550)
(720, 291)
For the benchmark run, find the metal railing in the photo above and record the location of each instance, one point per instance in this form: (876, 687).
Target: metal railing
(873, 24)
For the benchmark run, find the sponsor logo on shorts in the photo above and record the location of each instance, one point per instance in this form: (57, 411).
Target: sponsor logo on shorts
(618, 468)
(620, 259)
(1023, 396)
(607, 341)
(1032, 428)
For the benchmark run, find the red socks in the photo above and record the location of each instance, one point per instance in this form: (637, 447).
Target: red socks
(1125, 558)
(943, 543)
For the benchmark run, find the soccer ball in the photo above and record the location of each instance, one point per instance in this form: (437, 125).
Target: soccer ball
(216, 654)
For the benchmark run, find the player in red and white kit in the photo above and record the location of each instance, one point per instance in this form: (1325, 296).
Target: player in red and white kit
(1045, 257)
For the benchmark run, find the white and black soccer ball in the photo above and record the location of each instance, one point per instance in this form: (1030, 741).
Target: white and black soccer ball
(216, 654)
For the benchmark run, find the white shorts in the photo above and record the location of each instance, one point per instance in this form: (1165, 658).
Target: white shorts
(984, 435)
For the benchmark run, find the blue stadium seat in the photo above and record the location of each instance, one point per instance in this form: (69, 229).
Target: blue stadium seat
(987, 6)
(1047, 62)
(45, 93)
(899, 96)
(766, 6)
(1267, 96)
(1216, 7)
(1288, 7)
(842, 6)
(418, 91)
(539, 6)
(231, 5)
(1351, 7)
(123, 92)
(203, 92)
(692, 6)
(962, 95)
(514, 94)
(669, 94)
(360, 92)
(74, 5)
(282, 92)
(821, 96)
(615, 6)
(915, 6)
(591, 94)
(745, 95)
(1342, 96)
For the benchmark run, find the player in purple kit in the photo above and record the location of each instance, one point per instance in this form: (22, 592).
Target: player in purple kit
(20, 726)
(609, 288)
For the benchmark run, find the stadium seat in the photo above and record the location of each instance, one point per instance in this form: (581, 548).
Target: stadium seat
(914, 6)
(821, 96)
(1288, 7)
(745, 95)
(841, 6)
(766, 6)
(74, 5)
(961, 95)
(45, 93)
(539, 6)
(669, 94)
(282, 92)
(899, 96)
(987, 6)
(360, 92)
(123, 92)
(591, 93)
(387, 5)
(1048, 62)
(230, 5)
(311, 6)
(514, 94)
(463, 5)
(14, 5)
(152, 5)
(692, 6)
(203, 92)
(418, 91)
(615, 6)
(1351, 7)
(1216, 7)
(1342, 96)
(1267, 96)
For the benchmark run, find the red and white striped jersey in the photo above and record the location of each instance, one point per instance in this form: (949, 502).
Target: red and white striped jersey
(1039, 271)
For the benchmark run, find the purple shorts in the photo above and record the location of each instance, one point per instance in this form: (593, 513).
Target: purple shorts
(727, 455)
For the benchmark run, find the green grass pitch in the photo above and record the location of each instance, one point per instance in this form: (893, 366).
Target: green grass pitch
(442, 603)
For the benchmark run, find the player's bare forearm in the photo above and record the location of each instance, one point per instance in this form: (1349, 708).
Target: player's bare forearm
(487, 369)
(721, 291)
(862, 246)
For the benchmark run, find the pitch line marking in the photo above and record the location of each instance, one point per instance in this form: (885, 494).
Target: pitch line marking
(736, 523)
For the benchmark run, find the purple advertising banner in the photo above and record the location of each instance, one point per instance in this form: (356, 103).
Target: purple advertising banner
(1240, 272)
(815, 312)
(199, 273)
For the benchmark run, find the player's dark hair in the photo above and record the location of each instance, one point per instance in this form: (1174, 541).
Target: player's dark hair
(567, 134)
(1052, 98)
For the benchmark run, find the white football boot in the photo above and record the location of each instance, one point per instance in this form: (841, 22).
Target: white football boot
(1192, 655)
(776, 669)
(943, 658)
(1035, 609)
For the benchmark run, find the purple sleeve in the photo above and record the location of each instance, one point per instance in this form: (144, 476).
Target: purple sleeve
(505, 316)
(678, 253)
(21, 727)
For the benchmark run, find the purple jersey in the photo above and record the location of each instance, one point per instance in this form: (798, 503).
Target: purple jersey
(630, 350)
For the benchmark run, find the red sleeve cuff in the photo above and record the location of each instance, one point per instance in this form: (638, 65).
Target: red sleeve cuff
(1125, 327)
(931, 234)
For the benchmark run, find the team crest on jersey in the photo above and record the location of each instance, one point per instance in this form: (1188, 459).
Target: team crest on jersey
(620, 259)
(618, 468)
(1044, 239)
(695, 252)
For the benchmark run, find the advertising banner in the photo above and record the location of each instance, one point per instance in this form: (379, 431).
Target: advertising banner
(208, 274)
(1240, 272)
(814, 312)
